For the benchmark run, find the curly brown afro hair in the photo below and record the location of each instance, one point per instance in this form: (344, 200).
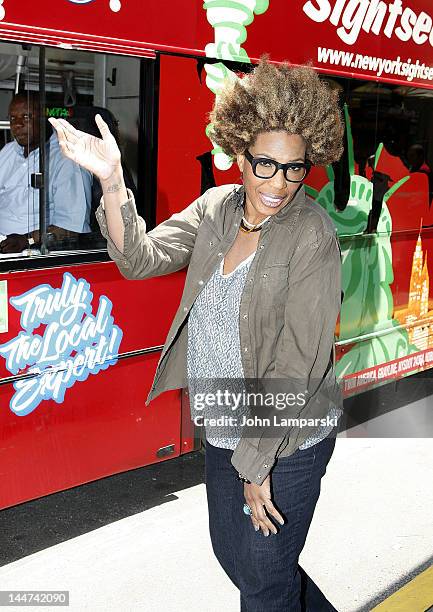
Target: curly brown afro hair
(279, 97)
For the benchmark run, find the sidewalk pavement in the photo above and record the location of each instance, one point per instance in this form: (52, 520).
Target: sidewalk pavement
(372, 528)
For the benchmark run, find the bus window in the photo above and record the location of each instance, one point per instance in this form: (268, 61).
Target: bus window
(19, 154)
(373, 160)
(404, 117)
(92, 83)
(78, 85)
(350, 179)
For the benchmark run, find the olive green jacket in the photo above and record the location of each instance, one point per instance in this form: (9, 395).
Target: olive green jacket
(288, 309)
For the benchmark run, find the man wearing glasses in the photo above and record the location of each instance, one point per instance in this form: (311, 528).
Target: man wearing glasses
(68, 186)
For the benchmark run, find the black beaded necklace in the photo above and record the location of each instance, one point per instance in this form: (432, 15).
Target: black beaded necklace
(248, 228)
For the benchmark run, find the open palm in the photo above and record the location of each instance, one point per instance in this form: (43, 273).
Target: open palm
(101, 156)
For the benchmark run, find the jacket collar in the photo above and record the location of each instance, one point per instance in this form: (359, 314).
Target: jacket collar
(287, 215)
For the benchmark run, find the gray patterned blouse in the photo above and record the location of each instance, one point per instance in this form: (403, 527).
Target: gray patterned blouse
(214, 353)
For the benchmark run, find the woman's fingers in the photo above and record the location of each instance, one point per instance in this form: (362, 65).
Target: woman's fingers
(66, 146)
(71, 132)
(265, 520)
(67, 130)
(255, 523)
(102, 127)
(256, 517)
(273, 511)
(60, 126)
(259, 508)
(260, 515)
(57, 126)
(68, 149)
(62, 133)
(258, 497)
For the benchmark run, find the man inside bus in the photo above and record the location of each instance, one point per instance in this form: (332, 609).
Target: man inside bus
(67, 185)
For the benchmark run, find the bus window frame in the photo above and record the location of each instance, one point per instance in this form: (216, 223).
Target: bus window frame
(146, 181)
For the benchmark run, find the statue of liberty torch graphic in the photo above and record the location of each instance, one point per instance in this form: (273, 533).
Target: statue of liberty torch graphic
(229, 19)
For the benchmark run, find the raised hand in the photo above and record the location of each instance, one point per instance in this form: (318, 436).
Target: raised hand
(101, 156)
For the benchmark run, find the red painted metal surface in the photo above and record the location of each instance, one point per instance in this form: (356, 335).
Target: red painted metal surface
(286, 30)
(102, 426)
(180, 142)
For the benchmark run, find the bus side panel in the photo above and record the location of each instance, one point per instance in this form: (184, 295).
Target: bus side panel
(330, 35)
(60, 431)
(184, 103)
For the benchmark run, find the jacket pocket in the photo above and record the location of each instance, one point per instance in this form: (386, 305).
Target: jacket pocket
(274, 284)
(208, 239)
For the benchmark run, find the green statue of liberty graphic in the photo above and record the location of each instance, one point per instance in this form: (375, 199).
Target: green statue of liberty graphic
(367, 310)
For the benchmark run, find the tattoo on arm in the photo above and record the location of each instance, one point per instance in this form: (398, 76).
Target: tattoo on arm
(114, 187)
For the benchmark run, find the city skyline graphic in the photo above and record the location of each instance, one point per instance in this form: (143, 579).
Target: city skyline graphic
(417, 316)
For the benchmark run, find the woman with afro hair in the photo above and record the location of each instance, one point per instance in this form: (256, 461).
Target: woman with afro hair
(255, 327)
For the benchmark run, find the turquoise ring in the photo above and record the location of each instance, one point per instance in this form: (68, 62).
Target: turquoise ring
(247, 509)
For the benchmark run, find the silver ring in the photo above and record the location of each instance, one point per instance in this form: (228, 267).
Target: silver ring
(247, 509)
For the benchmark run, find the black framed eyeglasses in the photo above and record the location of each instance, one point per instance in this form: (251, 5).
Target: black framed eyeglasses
(266, 168)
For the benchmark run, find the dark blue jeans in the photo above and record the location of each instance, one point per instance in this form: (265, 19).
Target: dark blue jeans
(265, 569)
